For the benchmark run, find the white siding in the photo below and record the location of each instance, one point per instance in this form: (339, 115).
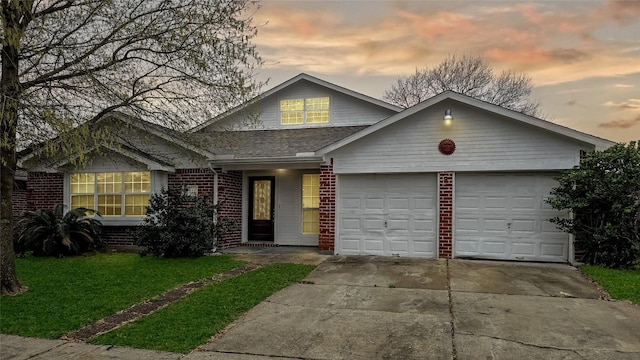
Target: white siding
(265, 114)
(288, 206)
(484, 141)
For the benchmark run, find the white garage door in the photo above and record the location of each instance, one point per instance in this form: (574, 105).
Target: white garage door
(387, 215)
(504, 216)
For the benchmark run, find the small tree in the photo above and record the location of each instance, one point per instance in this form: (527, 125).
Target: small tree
(56, 233)
(468, 75)
(180, 225)
(603, 193)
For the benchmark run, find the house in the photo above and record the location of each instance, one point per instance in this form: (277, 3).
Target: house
(315, 164)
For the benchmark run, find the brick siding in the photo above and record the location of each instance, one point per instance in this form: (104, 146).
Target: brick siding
(230, 197)
(326, 238)
(118, 235)
(44, 190)
(445, 214)
(202, 178)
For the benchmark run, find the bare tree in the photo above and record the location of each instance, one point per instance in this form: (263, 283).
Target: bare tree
(468, 75)
(65, 63)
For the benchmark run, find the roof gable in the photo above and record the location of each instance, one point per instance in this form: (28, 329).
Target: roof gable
(515, 116)
(301, 78)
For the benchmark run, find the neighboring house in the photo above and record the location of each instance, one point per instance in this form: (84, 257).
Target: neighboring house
(311, 163)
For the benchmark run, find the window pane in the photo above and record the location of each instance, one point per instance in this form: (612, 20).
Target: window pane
(110, 205)
(137, 182)
(262, 200)
(109, 183)
(84, 201)
(317, 117)
(136, 205)
(292, 118)
(291, 105)
(81, 183)
(310, 191)
(310, 221)
(321, 103)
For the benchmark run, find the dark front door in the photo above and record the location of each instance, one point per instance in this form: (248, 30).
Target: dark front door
(261, 199)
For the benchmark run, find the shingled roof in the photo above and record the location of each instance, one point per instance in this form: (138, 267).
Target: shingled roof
(275, 143)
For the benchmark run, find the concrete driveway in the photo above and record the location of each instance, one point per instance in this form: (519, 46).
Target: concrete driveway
(392, 308)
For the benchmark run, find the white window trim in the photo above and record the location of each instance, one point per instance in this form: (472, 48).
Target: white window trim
(304, 112)
(159, 179)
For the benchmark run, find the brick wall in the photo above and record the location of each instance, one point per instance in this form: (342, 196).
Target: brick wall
(118, 235)
(230, 196)
(326, 238)
(44, 190)
(445, 214)
(203, 178)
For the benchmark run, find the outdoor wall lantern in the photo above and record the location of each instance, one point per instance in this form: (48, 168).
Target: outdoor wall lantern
(448, 118)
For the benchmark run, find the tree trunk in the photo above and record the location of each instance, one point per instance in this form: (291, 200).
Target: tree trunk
(10, 91)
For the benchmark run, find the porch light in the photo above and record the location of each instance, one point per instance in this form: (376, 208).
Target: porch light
(448, 118)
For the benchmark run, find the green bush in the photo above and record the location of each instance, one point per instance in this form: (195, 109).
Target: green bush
(180, 225)
(603, 192)
(56, 233)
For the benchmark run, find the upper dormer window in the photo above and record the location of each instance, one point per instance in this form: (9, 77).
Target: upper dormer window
(304, 111)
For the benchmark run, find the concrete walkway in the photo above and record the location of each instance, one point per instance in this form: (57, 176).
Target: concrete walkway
(392, 308)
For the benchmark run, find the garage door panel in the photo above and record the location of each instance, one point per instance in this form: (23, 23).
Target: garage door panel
(493, 246)
(373, 225)
(351, 244)
(397, 212)
(491, 208)
(553, 250)
(374, 204)
(350, 224)
(522, 249)
(398, 203)
(424, 247)
(351, 203)
(523, 203)
(374, 246)
(424, 203)
(523, 226)
(494, 203)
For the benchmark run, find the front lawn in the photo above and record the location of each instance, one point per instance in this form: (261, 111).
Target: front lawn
(620, 284)
(66, 294)
(186, 324)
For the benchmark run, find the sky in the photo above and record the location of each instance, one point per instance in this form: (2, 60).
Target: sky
(583, 56)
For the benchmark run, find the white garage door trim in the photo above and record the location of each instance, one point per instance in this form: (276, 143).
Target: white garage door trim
(382, 214)
(504, 216)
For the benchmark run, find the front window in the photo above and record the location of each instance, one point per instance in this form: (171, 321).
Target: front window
(304, 111)
(311, 203)
(111, 193)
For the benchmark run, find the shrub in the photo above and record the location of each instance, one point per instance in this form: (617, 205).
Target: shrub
(180, 225)
(56, 233)
(604, 194)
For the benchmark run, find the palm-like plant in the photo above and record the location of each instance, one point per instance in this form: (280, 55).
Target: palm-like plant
(56, 233)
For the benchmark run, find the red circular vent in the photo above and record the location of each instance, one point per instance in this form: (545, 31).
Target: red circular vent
(447, 146)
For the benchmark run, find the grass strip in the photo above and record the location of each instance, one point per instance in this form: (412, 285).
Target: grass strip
(188, 323)
(68, 293)
(620, 284)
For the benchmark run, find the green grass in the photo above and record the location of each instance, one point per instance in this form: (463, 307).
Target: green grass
(66, 294)
(186, 324)
(620, 284)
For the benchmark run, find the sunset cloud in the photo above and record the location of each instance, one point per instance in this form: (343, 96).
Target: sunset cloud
(632, 104)
(554, 42)
(621, 123)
